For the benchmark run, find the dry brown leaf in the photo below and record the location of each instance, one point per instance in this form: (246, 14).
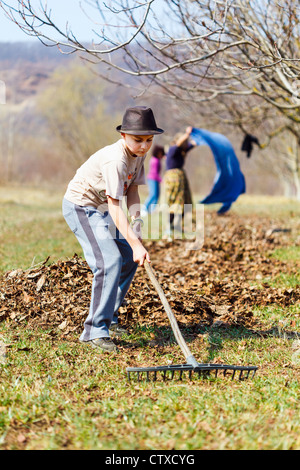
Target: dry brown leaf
(211, 286)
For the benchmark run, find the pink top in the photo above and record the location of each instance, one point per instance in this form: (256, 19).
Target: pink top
(154, 169)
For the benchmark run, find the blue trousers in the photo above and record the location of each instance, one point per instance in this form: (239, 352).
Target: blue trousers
(110, 258)
(153, 197)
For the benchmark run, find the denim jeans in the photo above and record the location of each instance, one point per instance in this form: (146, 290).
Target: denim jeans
(110, 258)
(153, 197)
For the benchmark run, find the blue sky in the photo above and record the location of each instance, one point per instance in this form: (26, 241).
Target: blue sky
(63, 11)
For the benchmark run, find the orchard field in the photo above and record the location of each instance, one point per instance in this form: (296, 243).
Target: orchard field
(237, 301)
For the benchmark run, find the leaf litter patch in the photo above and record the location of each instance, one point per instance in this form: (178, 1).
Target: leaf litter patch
(219, 285)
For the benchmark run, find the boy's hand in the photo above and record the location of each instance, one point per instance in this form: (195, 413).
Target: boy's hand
(140, 254)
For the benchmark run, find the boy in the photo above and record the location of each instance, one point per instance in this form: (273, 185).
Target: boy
(92, 207)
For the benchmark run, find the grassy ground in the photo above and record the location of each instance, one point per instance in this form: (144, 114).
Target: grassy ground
(55, 394)
(32, 227)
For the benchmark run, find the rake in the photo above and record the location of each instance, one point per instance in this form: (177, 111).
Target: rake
(192, 366)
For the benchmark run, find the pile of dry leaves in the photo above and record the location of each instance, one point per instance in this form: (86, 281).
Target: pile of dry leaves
(219, 284)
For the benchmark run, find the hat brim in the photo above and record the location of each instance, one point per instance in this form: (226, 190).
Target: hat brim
(140, 132)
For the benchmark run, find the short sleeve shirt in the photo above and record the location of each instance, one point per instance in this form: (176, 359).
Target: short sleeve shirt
(108, 172)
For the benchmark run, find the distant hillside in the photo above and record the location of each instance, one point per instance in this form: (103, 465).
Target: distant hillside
(24, 67)
(28, 52)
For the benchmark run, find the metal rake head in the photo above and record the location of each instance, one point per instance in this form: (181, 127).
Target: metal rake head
(192, 366)
(201, 370)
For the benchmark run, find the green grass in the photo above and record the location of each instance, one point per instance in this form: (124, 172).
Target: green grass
(57, 394)
(32, 228)
(290, 253)
(273, 207)
(60, 395)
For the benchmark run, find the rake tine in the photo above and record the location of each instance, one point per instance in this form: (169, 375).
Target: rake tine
(203, 370)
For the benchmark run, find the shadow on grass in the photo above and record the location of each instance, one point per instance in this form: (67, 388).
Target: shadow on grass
(163, 335)
(217, 336)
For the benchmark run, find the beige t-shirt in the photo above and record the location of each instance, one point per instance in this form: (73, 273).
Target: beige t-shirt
(108, 172)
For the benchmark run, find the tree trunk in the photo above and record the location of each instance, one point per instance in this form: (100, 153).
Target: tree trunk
(296, 172)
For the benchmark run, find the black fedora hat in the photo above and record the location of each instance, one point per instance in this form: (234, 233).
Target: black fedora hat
(139, 120)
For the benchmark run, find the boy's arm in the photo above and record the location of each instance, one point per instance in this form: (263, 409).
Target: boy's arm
(134, 209)
(121, 222)
(133, 202)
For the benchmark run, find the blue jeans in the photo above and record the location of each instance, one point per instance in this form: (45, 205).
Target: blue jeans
(153, 197)
(110, 258)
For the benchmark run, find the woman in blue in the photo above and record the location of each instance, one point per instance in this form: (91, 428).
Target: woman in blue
(177, 188)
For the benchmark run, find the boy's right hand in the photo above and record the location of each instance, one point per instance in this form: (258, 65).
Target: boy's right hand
(140, 254)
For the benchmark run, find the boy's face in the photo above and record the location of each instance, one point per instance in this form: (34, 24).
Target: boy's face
(138, 144)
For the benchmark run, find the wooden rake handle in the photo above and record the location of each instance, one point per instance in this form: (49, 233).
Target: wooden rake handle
(177, 333)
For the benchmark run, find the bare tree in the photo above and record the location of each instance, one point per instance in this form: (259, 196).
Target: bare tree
(195, 51)
(160, 38)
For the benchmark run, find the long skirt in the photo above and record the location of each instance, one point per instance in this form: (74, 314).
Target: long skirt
(177, 190)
